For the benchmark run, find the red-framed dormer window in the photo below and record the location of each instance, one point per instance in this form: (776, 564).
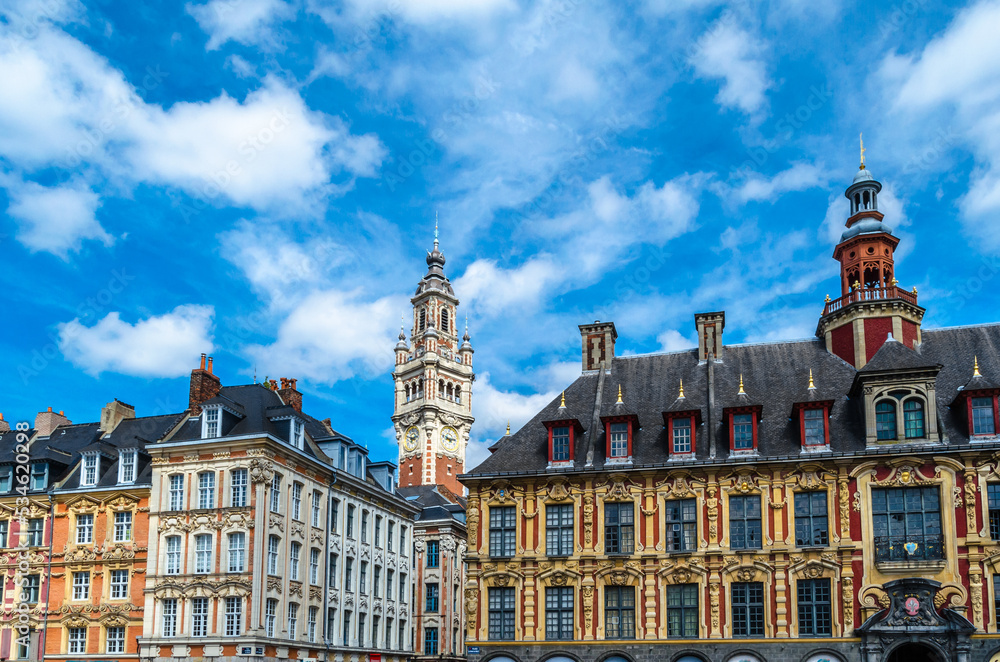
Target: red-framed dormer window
(618, 433)
(814, 423)
(562, 440)
(982, 411)
(682, 432)
(743, 427)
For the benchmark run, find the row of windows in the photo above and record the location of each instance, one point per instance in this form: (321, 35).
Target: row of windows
(35, 533)
(432, 640)
(351, 513)
(118, 585)
(90, 469)
(122, 530)
(114, 640)
(362, 631)
(37, 478)
(349, 576)
(683, 616)
(680, 530)
(236, 558)
(233, 625)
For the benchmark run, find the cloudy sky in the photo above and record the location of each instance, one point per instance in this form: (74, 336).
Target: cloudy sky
(258, 179)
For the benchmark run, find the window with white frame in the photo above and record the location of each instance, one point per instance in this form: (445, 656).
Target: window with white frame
(203, 553)
(168, 621)
(270, 612)
(177, 492)
(293, 561)
(212, 428)
(237, 551)
(78, 640)
(293, 619)
(297, 501)
(313, 611)
(238, 485)
(206, 489)
(173, 555)
(316, 501)
(123, 527)
(314, 566)
(199, 617)
(126, 466)
(119, 584)
(298, 434)
(276, 493)
(273, 543)
(84, 529)
(91, 465)
(114, 641)
(81, 585)
(39, 475)
(234, 616)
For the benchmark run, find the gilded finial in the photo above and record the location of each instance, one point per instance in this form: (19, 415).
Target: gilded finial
(681, 396)
(508, 427)
(562, 401)
(975, 368)
(619, 395)
(741, 392)
(862, 139)
(914, 289)
(857, 284)
(894, 282)
(827, 299)
(812, 385)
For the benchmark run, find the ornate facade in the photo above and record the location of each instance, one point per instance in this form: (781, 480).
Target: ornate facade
(836, 499)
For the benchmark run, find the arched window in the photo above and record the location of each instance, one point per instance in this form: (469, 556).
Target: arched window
(420, 388)
(450, 394)
(407, 389)
(885, 420)
(441, 388)
(857, 202)
(444, 322)
(423, 320)
(913, 418)
(458, 394)
(868, 200)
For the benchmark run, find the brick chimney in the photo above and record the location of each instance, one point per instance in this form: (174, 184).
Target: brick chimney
(47, 421)
(289, 394)
(710, 326)
(4, 425)
(114, 413)
(204, 386)
(598, 344)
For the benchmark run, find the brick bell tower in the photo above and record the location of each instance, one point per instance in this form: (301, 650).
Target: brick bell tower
(433, 382)
(871, 305)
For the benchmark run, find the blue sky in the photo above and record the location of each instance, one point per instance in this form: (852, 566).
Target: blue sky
(258, 179)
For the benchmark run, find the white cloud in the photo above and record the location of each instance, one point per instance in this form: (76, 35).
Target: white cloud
(671, 340)
(799, 177)
(732, 54)
(56, 219)
(331, 336)
(427, 12)
(490, 290)
(243, 21)
(159, 346)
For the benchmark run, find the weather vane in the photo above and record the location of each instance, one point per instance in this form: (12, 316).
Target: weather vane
(862, 139)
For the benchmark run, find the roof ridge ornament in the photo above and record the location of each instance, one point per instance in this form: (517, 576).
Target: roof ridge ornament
(681, 396)
(619, 395)
(975, 367)
(508, 427)
(741, 391)
(562, 400)
(812, 385)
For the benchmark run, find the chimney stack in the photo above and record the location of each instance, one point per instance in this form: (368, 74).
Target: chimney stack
(47, 421)
(598, 344)
(114, 413)
(204, 386)
(710, 326)
(289, 394)
(4, 425)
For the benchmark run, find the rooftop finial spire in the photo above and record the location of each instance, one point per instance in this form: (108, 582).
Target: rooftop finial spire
(435, 230)
(862, 139)
(741, 392)
(812, 385)
(682, 390)
(562, 400)
(975, 367)
(619, 395)
(508, 427)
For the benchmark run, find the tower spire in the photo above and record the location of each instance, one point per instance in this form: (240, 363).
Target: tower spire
(435, 230)
(862, 139)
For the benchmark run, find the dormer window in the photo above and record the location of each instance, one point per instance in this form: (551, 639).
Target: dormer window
(618, 432)
(126, 466)
(212, 429)
(298, 434)
(91, 465)
(983, 415)
(913, 418)
(39, 475)
(901, 411)
(681, 432)
(743, 428)
(560, 444)
(885, 420)
(562, 441)
(618, 440)
(814, 423)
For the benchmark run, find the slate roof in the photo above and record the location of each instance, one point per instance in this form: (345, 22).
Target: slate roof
(436, 502)
(775, 378)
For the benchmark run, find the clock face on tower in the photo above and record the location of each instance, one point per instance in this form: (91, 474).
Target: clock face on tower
(449, 440)
(410, 439)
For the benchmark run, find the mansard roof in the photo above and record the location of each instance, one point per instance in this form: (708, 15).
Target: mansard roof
(775, 377)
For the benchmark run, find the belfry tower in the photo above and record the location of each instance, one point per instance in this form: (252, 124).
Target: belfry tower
(433, 382)
(871, 305)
